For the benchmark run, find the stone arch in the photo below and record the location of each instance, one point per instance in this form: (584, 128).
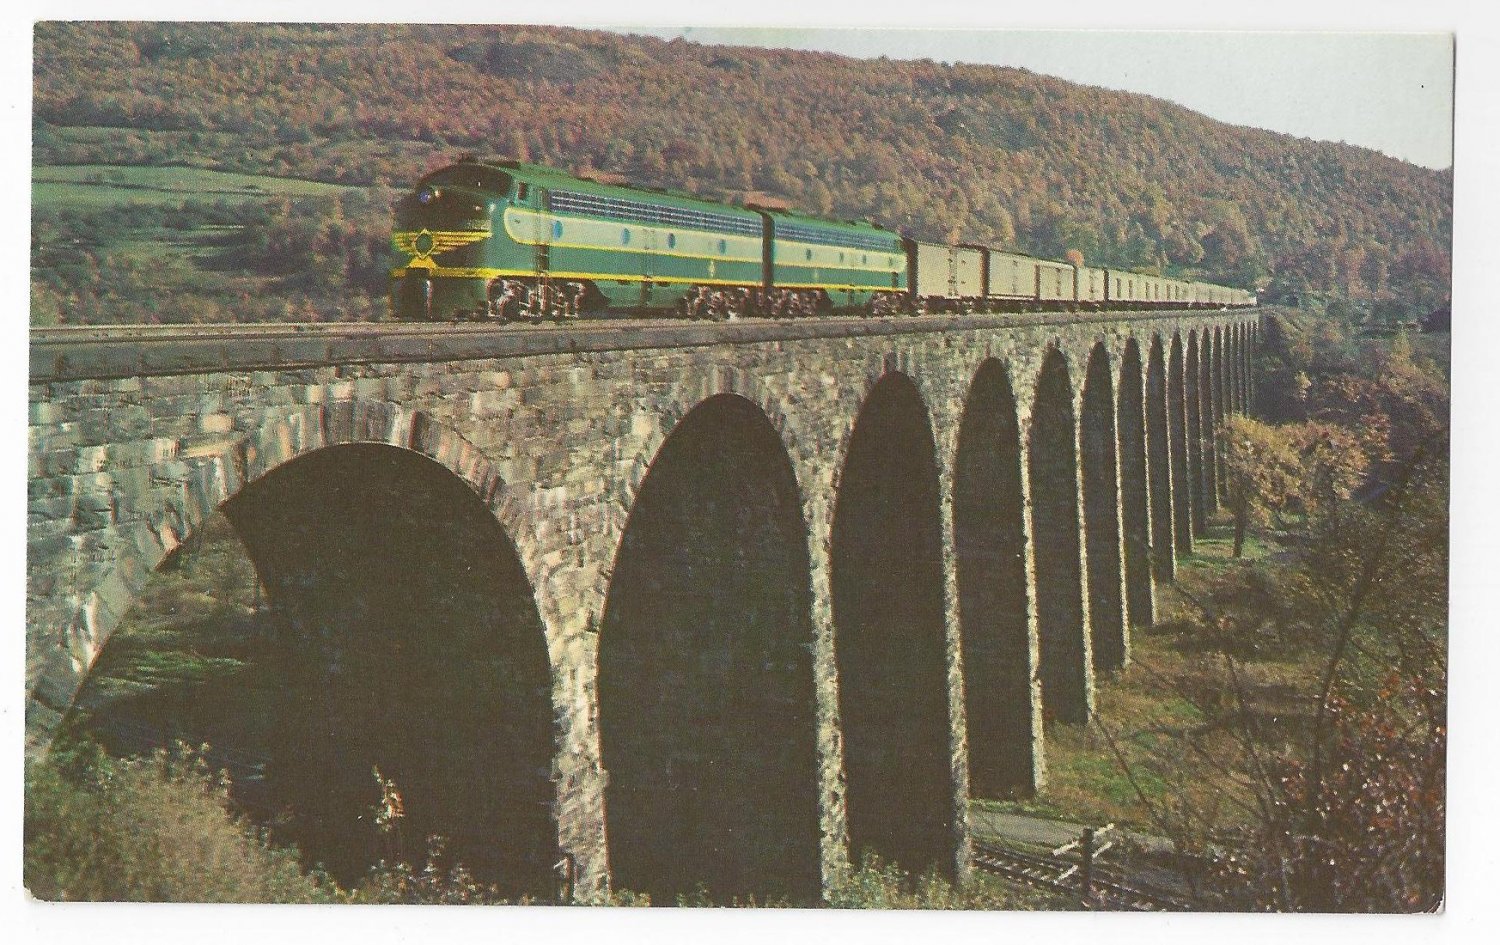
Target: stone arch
(989, 536)
(888, 596)
(666, 411)
(706, 693)
(194, 488)
(1180, 440)
(1102, 514)
(1062, 616)
(1135, 489)
(1159, 463)
(1197, 475)
(407, 640)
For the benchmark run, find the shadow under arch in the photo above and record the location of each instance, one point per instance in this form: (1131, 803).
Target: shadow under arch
(889, 634)
(1135, 488)
(1159, 464)
(1179, 434)
(1208, 408)
(408, 640)
(706, 691)
(1052, 464)
(1101, 514)
(1197, 473)
(989, 538)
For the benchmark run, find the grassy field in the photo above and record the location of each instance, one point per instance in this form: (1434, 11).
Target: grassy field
(1159, 750)
(103, 185)
(150, 243)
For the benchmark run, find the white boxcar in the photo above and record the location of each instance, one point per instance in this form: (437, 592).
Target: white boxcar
(934, 271)
(1055, 281)
(1012, 276)
(968, 272)
(1125, 287)
(949, 272)
(1091, 284)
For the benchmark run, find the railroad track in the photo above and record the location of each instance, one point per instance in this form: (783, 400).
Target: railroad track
(1056, 874)
(77, 352)
(241, 331)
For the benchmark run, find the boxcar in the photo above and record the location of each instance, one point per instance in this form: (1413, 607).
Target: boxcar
(1055, 282)
(1176, 292)
(968, 272)
(1091, 285)
(1010, 276)
(1122, 287)
(931, 274)
(945, 276)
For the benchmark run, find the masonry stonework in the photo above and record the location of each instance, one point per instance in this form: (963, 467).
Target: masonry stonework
(556, 436)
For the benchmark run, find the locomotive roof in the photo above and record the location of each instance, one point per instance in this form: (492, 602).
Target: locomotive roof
(562, 180)
(857, 225)
(554, 178)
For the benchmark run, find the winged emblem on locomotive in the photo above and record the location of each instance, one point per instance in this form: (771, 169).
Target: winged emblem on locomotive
(423, 244)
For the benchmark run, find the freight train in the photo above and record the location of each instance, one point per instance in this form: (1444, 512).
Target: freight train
(509, 241)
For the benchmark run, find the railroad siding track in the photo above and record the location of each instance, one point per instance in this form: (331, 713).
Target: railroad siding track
(1109, 890)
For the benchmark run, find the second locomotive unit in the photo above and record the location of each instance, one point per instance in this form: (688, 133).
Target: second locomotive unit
(507, 240)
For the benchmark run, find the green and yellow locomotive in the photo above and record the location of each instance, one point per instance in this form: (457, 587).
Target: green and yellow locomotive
(507, 240)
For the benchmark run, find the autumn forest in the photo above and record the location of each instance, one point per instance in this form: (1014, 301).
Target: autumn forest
(968, 153)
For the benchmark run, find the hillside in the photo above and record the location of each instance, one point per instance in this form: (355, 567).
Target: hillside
(974, 153)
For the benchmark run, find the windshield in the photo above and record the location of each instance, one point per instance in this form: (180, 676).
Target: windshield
(476, 176)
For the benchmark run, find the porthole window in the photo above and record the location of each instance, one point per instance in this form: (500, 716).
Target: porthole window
(557, 229)
(723, 246)
(671, 241)
(625, 237)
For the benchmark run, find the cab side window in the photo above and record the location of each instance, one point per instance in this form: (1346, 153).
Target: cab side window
(522, 190)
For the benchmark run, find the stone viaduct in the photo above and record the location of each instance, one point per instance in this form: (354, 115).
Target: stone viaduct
(750, 596)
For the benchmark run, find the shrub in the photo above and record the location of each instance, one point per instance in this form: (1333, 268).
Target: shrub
(153, 829)
(877, 884)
